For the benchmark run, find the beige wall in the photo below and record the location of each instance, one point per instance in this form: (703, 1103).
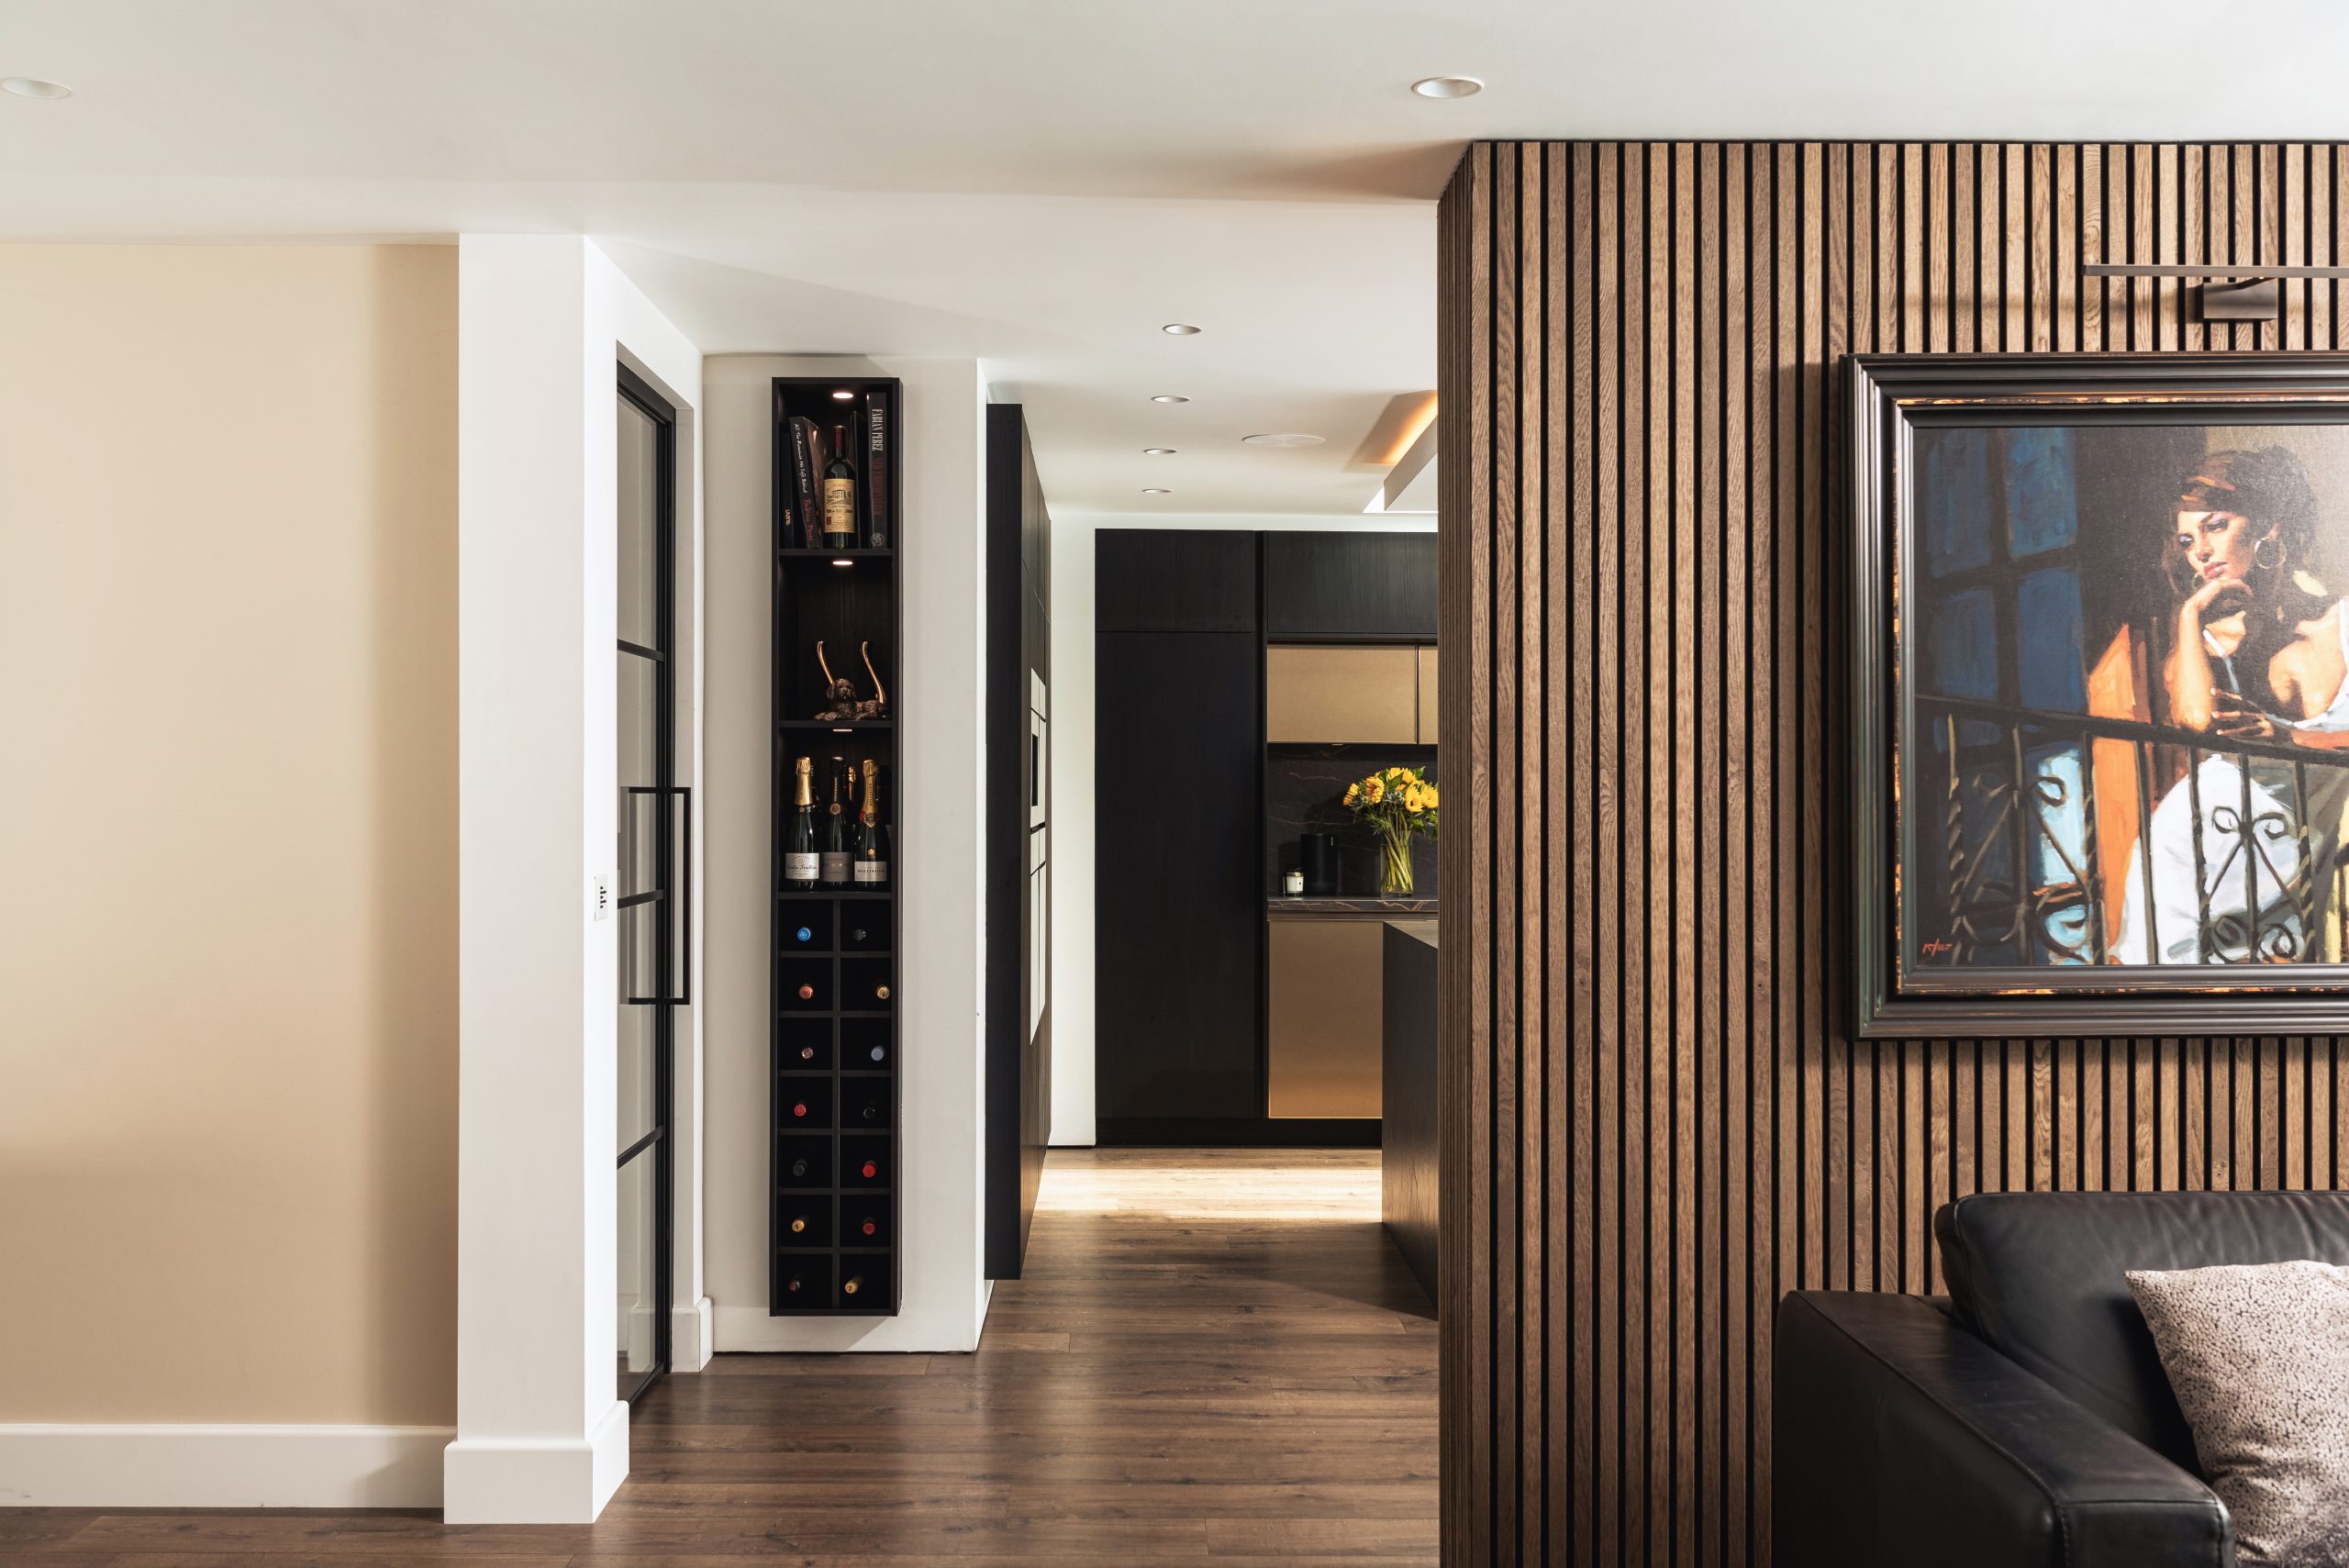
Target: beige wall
(228, 780)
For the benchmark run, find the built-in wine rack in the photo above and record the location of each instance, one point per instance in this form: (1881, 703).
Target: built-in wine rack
(834, 982)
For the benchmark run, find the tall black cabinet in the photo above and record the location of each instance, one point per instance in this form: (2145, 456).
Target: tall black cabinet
(1178, 905)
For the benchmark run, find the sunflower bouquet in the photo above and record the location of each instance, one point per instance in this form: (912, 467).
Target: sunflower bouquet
(1397, 802)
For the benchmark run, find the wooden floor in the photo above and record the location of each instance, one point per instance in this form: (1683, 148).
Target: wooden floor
(1217, 1358)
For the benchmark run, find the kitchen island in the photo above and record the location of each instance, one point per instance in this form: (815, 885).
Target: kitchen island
(1407, 1093)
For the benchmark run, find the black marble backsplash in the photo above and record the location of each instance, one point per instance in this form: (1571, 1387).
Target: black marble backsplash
(1303, 788)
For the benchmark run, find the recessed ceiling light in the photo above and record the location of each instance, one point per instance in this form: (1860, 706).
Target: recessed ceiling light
(34, 87)
(1448, 86)
(1169, 397)
(843, 396)
(1158, 451)
(1180, 329)
(1282, 439)
(1153, 490)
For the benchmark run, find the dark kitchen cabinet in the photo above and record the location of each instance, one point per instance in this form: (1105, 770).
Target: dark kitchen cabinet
(1179, 900)
(1176, 580)
(1349, 585)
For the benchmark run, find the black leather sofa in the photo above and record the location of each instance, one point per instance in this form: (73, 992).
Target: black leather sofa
(2024, 1420)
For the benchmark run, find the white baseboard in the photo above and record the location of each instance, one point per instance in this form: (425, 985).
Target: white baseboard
(536, 1481)
(691, 1339)
(62, 1465)
(916, 1330)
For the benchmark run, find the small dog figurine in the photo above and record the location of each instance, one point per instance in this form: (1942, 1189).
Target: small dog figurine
(845, 705)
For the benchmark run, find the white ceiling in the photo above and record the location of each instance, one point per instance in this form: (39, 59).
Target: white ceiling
(1042, 183)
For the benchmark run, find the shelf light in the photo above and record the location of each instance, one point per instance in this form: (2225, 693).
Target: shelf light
(840, 729)
(842, 560)
(1158, 451)
(1169, 397)
(843, 395)
(1180, 329)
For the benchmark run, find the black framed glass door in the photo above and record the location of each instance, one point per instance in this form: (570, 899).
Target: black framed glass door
(653, 894)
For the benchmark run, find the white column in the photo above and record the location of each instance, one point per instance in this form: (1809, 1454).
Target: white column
(542, 321)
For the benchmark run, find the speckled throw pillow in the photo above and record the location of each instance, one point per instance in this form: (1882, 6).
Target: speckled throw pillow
(2258, 1356)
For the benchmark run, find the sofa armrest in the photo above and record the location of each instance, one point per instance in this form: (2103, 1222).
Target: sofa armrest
(1898, 1438)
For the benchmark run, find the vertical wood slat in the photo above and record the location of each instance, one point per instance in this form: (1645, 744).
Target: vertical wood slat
(1654, 1126)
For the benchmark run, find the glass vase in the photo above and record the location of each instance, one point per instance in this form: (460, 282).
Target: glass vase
(1395, 865)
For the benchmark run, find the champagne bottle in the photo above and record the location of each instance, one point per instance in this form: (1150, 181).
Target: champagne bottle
(872, 860)
(839, 495)
(834, 866)
(799, 861)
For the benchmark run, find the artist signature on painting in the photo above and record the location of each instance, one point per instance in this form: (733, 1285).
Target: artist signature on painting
(1938, 949)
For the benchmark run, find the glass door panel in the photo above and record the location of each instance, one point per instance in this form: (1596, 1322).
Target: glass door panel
(649, 853)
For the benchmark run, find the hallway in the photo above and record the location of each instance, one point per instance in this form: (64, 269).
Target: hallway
(1216, 1358)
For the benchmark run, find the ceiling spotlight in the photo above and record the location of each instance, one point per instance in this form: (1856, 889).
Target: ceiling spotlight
(1169, 397)
(1448, 86)
(1281, 438)
(34, 87)
(843, 395)
(1158, 451)
(1153, 490)
(1180, 329)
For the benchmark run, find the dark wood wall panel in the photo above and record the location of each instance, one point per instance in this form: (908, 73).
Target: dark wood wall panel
(1656, 1124)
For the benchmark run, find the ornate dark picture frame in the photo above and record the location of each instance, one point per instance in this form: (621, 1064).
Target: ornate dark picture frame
(2062, 825)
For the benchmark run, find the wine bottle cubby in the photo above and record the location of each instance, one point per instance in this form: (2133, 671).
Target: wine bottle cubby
(834, 957)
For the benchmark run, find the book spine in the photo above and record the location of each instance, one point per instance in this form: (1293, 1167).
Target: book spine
(813, 439)
(876, 470)
(804, 492)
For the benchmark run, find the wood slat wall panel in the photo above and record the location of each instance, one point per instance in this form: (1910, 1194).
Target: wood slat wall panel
(1654, 1126)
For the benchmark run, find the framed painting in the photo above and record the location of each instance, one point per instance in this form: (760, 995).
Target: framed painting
(2101, 677)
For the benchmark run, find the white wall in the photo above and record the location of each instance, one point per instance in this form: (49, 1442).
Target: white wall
(1072, 782)
(542, 321)
(228, 619)
(938, 856)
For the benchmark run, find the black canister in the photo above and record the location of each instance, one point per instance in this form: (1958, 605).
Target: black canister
(1317, 856)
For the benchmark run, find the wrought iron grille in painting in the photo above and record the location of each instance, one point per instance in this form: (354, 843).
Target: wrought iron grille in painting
(2102, 677)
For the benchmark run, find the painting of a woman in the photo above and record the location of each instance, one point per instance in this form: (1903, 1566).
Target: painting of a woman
(2240, 863)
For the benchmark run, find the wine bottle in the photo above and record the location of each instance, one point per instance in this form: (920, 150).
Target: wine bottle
(839, 495)
(799, 860)
(881, 992)
(869, 1112)
(870, 1228)
(872, 860)
(799, 1223)
(851, 1284)
(880, 1053)
(835, 859)
(868, 1170)
(800, 1110)
(807, 992)
(807, 1053)
(798, 1169)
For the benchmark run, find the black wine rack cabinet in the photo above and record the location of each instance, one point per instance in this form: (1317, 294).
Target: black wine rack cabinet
(834, 1209)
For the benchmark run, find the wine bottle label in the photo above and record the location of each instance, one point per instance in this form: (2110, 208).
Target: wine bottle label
(872, 870)
(797, 867)
(839, 507)
(835, 866)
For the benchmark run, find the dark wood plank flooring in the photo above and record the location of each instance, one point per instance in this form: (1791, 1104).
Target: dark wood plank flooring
(1217, 1358)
